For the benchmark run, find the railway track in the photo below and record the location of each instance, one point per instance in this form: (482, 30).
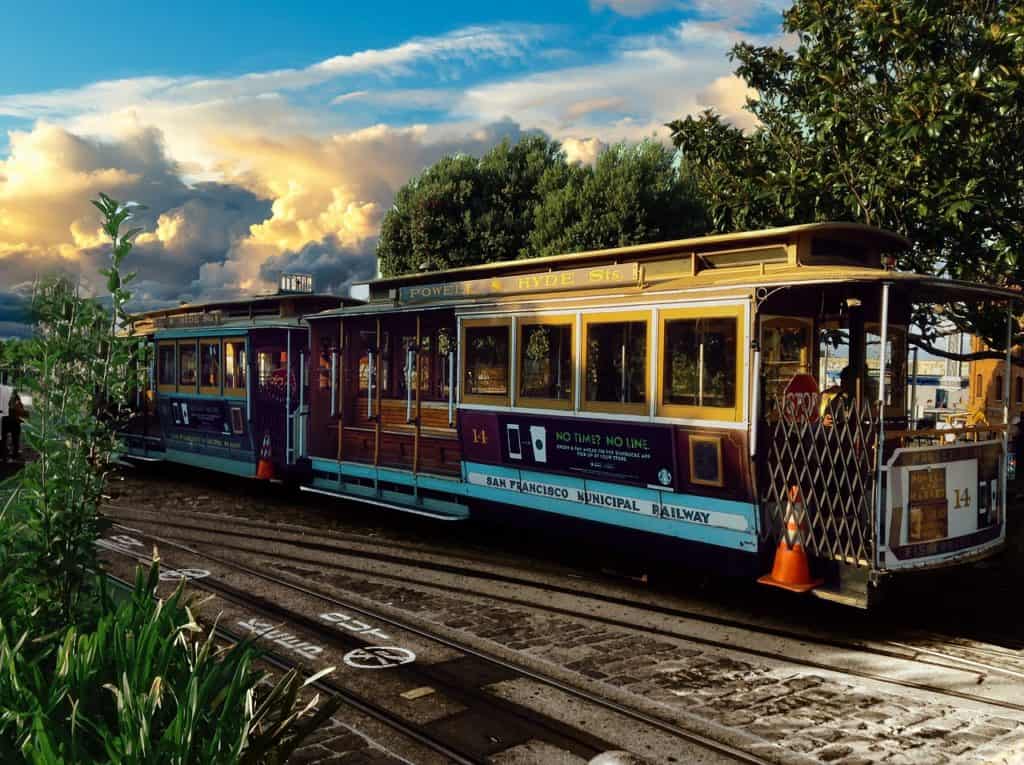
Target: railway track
(925, 649)
(497, 711)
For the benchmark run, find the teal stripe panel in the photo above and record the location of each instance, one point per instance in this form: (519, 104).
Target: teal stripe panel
(724, 523)
(234, 467)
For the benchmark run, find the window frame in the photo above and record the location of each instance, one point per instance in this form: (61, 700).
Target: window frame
(542, 402)
(614, 407)
(732, 413)
(163, 387)
(234, 392)
(494, 399)
(194, 388)
(210, 390)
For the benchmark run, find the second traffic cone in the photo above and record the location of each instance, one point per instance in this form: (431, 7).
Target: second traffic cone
(265, 467)
(791, 570)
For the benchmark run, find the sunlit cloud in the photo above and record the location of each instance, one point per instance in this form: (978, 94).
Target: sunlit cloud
(294, 169)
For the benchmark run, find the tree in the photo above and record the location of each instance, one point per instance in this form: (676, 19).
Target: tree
(526, 200)
(905, 114)
(464, 210)
(632, 195)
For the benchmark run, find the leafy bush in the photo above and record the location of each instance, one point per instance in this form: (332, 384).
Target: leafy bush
(83, 679)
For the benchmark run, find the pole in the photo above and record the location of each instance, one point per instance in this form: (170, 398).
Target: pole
(288, 401)
(880, 449)
(912, 420)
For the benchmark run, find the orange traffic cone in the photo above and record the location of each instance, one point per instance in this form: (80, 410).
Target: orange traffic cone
(265, 468)
(791, 570)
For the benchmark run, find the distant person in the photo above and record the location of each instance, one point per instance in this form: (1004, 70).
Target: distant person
(12, 412)
(835, 399)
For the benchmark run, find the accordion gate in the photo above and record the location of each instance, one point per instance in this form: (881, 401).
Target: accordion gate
(834, 467)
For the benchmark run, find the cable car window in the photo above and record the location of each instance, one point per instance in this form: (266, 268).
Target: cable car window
(167, 373)
(616, 364)
(545, 361)
(234, 366)
(187, 365)
(699, 362)
(486, 364)
(895, 364)
(368, 345)
(209, 366)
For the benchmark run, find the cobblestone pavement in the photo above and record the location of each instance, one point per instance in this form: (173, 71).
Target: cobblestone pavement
(337, 742)
(766, 706)
(825, 717)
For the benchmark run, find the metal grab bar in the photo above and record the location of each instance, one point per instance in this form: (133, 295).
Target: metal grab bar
(451, 388)
(369, 385)
(334, 383)
(409, 356)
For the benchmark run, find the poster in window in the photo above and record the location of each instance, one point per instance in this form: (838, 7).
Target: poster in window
(706, 460)
(237, 423)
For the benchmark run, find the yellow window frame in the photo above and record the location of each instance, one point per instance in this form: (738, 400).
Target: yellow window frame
(722, 413)
(210, 390)
(195, 346)
(612, 407)
(161, 388)
(495, 399)
(228, 391)
(541, 402)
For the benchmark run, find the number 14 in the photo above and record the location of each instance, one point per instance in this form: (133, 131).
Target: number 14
(963, 498)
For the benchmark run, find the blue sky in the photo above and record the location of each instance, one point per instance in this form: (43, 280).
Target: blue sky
(271, 135)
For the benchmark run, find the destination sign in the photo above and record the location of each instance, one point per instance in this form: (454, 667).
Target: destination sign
(549, 281)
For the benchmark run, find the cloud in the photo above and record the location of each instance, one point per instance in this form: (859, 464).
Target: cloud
(467, 45)
(634, 8)
(294, 169)
(333, 265)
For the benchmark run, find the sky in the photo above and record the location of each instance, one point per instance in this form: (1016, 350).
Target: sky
(268, 137)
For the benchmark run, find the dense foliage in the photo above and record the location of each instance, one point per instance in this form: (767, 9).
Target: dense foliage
(83, 678)
(905, 114)
(525, 200)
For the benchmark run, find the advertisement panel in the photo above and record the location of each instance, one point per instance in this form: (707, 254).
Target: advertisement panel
(640, 455)
(196, 423)
(942, 501)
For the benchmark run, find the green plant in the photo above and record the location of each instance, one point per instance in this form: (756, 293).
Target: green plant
(83, 679)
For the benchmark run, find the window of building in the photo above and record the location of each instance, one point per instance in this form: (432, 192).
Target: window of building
(615, 362)
(486, 360)
(1018, 396)
(545, 364)
(187, 365)
(977, 386)
(998, 388)
(700, 372)
(234, 366)
(209, 367)
(167, 373)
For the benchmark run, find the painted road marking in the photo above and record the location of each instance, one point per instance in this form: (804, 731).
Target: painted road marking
(177, 574)
(293, 643)
(379, 657)
(352, 624)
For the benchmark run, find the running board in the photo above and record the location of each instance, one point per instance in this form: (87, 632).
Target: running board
(389, 505)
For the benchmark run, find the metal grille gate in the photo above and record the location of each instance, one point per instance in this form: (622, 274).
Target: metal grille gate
(833, 467)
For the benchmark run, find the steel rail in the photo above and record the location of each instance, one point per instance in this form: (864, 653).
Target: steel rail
(350, 699)
(719, 747)
(461, 571)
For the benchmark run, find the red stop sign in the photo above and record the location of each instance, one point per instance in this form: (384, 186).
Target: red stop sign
(801, 400)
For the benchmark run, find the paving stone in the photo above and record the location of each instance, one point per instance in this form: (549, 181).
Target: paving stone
(834, 752)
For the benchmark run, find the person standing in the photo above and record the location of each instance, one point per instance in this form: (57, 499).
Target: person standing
(12, 412)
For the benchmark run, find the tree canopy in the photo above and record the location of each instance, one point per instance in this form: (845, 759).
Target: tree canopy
(525, 200)
(905, 114)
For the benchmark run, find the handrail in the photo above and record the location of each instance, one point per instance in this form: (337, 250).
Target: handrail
(409, 355)
(369, 384)
(937, 432)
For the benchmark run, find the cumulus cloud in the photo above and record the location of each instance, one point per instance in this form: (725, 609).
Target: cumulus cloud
(248, 176)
